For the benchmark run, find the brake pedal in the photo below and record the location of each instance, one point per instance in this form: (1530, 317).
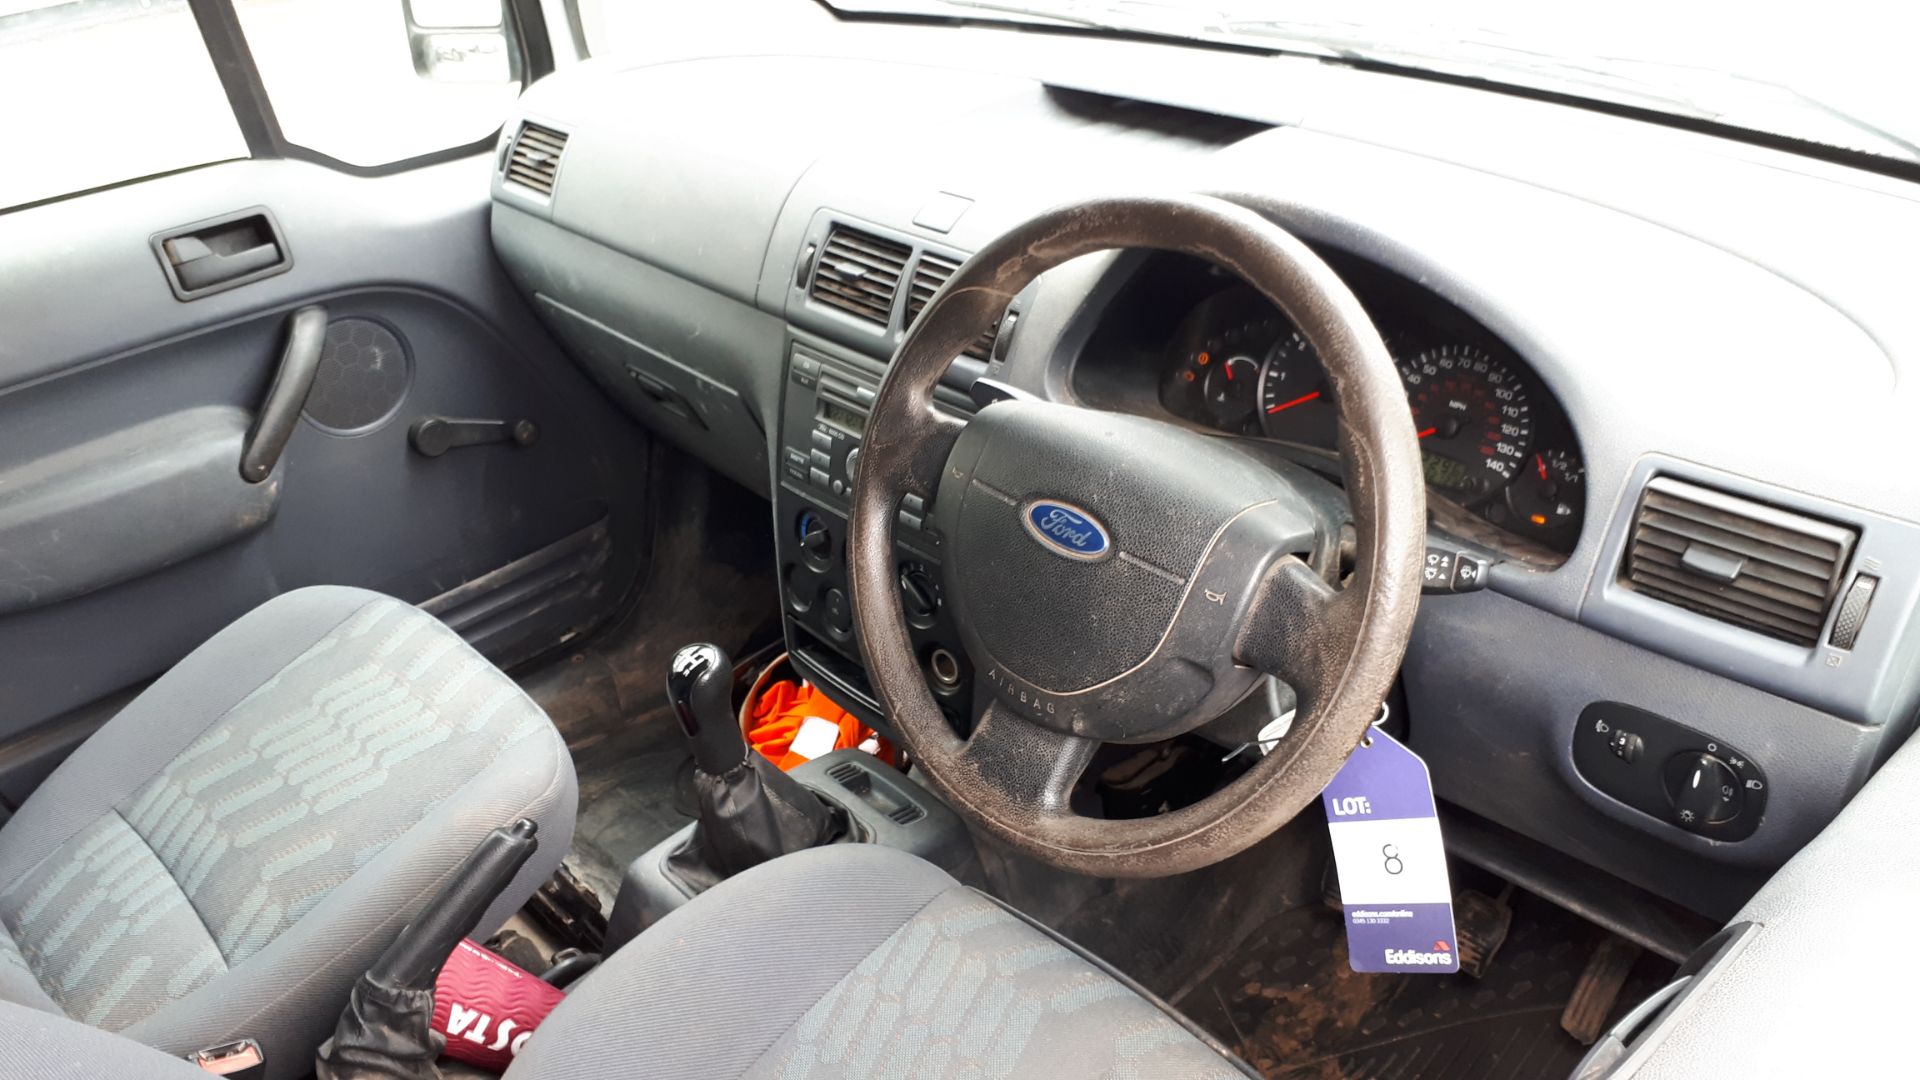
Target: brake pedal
(1480, 926)
(1599, 989)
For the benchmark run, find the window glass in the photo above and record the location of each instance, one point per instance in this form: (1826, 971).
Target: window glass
(371, 82)
(638, 31)
(100, 91)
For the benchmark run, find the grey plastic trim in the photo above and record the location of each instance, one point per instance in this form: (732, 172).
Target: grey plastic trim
(126, 504)
(1637, 1035)
(1865, 684)
(502, 613)
(1495, 722)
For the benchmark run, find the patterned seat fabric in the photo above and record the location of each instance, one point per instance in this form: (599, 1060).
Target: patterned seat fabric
(859, 962)
(379, 719)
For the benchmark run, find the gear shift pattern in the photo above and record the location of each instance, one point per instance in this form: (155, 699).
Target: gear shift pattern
(750, 811)
(700, 686)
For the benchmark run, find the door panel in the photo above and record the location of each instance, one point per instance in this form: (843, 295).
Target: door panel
(526, 545)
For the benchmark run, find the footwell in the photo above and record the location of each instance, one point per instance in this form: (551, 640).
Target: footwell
(1290, 1006)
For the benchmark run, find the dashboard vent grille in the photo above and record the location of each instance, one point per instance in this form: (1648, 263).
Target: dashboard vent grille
(929, 274)
(534, 160)
(860, 273)
(1735, 560)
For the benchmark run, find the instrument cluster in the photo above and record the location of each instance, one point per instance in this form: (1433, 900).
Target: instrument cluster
(1494, 441)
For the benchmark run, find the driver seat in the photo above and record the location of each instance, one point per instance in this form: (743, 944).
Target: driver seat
(827, 964)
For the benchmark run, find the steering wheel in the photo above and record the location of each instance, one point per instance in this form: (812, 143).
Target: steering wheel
(1121, 579)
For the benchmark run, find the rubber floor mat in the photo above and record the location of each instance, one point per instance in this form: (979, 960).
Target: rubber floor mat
(1289, 1005)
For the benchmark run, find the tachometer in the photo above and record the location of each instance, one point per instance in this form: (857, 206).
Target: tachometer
(1471, 413)
(1295, 401)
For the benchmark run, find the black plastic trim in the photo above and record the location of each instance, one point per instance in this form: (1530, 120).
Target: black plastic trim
(233, 60)
(1839, 155)
(184, 292)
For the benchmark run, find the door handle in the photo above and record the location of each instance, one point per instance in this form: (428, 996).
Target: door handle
(199, 266)
(221, 252)
(273, 425)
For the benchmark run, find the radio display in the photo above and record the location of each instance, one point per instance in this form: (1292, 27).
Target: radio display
(851, 421)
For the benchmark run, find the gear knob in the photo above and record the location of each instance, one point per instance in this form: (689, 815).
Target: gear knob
(700, 686)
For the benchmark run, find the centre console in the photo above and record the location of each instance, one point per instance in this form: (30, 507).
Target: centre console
(829, 392)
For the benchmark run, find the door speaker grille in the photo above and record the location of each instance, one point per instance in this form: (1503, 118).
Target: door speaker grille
(364, 374)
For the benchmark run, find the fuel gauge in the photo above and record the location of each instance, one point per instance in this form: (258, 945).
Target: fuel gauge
(1550, 491)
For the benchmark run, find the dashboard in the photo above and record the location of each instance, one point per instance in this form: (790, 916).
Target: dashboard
(1502, 464)
(1619, 341)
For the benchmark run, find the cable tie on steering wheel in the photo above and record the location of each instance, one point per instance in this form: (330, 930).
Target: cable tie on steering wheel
(1367, 738)
(1267, 737)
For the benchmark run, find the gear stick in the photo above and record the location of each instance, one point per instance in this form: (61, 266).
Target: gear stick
(750, 811)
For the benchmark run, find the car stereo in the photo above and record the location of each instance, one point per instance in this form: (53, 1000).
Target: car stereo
(828, 396)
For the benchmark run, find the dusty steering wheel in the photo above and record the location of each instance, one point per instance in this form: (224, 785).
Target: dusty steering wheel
(1121, 579)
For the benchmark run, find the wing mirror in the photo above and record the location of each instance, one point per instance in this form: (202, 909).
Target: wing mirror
(460, 41)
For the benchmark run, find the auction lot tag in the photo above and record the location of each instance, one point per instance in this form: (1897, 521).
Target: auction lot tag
(1392, 864)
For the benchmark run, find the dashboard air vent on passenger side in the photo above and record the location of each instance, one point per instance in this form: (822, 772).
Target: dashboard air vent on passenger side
(1735, 560)
(534, 160)
(859, 273)
(931, 272)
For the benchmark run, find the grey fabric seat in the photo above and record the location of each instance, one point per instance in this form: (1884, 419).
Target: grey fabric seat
(831, 964)
(858, 961)
(227, 855)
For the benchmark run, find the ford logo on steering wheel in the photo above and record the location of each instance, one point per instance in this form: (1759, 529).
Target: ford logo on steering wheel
(1067, 530)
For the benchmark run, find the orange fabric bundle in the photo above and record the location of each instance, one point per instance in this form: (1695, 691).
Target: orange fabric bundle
(785, 705)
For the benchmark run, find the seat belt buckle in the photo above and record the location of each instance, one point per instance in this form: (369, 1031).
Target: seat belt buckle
(241, 1059)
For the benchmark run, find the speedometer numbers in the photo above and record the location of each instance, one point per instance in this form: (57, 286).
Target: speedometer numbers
(1471, 413)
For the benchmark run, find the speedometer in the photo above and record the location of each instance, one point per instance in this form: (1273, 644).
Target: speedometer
(1295, 403)
(1471, 413)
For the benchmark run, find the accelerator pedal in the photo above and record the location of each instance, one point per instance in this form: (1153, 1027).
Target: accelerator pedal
(1595, 995)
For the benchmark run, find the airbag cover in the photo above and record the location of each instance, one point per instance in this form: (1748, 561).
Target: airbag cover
(1073, 534)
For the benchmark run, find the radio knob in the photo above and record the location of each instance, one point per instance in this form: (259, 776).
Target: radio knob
(816, 543)
(919, 597)
(853, 459)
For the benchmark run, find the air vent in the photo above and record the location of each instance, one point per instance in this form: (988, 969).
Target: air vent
(852, 777)
(1737, 561)
(931, 272)
(534, 161)
(907, 815)
(859, 273)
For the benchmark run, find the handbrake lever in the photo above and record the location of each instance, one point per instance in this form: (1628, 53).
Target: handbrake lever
(386, 1032)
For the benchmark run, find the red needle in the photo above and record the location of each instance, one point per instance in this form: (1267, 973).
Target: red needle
(1424, 434)
(1301, 400)
(1542, 462)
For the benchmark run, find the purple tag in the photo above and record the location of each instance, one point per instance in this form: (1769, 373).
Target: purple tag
(1391, 861)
